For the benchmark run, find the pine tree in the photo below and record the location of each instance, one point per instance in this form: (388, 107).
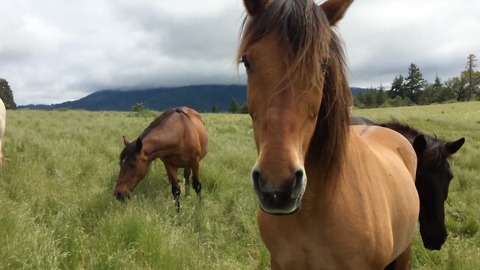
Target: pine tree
(414, 83)
(397, 88)
(234, 106)
(6, 95)
(470, 70)
(381, 96)
(438, 95)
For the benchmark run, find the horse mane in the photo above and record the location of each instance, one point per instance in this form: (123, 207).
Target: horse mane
(160, 119)
(406, 130)
(303, 27)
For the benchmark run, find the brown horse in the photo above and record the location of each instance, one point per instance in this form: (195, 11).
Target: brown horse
(359, 208)
(177, 137)
(432, 178)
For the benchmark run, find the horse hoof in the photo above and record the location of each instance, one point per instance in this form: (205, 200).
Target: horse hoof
(177, 206)
(197, 188)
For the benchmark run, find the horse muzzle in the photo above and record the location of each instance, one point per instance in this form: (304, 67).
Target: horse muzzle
(279, 198)
(433, 242)
(433, 237)
(122, 196)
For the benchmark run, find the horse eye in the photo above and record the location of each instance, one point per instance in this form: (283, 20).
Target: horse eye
(245, 62)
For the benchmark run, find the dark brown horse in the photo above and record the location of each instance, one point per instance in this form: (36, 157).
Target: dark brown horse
(177, 137)
(359, 207)
(432, 178)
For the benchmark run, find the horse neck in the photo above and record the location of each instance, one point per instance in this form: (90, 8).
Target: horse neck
(329, 143)
(155, 145)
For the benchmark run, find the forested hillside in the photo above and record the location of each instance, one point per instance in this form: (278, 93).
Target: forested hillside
(203, 98)
(199, 97)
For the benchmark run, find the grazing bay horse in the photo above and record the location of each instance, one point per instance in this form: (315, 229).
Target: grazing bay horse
(359, 207)
(3, 118)
(433, 178)
(177, 137)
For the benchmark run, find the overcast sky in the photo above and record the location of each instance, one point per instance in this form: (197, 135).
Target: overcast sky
(53, 51)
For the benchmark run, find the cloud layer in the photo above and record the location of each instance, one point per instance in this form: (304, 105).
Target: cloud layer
(53, 51)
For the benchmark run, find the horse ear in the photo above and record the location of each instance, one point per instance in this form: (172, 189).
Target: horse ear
(125, 141)
(138, 144)
(419, 145)
(335, 9)
(453, 147)
(254, 6)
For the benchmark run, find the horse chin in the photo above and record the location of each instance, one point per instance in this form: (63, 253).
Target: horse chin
(280, 207)
(432, 245)
(276, 212)
(432, 242)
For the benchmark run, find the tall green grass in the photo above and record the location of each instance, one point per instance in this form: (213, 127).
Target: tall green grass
(58, 210)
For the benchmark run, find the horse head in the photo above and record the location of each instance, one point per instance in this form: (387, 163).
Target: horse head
(432, 181)
(288, 49)
(133, 168)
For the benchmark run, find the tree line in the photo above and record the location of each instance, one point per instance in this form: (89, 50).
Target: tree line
(6, 95)
(413, 89)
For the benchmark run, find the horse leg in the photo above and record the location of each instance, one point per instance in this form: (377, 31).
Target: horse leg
(172, 177)
(197, 186)
(186, 173)
(402, 262)
(391, 266)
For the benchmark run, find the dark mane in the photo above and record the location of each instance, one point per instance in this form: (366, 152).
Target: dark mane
(406, 130)
(160, 119)
(303, 26)
(435, 153)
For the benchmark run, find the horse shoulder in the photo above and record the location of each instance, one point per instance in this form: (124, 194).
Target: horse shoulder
(395, 182)
(389, 142)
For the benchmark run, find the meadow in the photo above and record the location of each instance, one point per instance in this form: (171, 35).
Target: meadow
(58, 210)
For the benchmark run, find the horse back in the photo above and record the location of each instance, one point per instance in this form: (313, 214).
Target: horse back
(198, 132)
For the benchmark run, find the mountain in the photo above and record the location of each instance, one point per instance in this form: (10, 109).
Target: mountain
(199, 97)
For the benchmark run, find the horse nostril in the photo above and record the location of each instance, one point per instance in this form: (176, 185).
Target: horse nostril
(256, 177)
(298, 183)
(256, 183)
(299, 176)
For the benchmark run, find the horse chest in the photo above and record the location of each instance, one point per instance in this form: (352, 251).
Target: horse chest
(323, 244)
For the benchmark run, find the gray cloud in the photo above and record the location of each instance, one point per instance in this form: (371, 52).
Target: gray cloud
(54, 52)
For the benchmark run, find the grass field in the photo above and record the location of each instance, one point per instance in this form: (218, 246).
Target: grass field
(58, 210)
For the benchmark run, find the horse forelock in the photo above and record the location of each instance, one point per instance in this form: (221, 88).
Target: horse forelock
(302, 27)
(436, 154)
(128, 151)
(317, 51)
